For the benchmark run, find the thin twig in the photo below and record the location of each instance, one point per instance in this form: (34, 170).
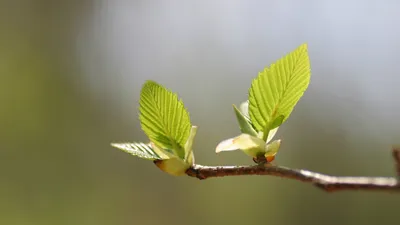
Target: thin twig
(326, 182)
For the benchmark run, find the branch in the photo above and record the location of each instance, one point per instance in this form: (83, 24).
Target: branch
(326, 182)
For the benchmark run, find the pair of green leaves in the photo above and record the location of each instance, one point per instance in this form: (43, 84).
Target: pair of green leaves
(166, 123)
(272, 97)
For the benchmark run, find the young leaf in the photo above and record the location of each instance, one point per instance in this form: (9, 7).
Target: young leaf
(244, 123)
(173, 166)
(141, 150)
(272, 148)
(189, 157)
(163, 159)
(276, 123)
(244, 109)
(164, 118)
(277, 89)
(248, 144)
(271, 134)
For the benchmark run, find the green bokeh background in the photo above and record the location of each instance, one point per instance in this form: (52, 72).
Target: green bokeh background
(71, 73)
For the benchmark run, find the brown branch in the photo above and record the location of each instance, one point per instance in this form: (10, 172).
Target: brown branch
(326, 182)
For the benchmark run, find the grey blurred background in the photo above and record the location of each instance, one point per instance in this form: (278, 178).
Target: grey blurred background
(71, 73)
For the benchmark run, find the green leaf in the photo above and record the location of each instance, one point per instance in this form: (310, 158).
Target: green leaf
(244, 123)
(141, 150)
(164, 118)
(277, 122)
(189, 157)
(277, 89)
(163, 159)
(273, 126)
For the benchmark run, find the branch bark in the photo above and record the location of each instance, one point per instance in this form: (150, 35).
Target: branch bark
(326, 182)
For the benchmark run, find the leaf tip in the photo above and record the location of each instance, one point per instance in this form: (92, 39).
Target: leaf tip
(303, 47)
(226, 145)
(116, 145)
(150, 82)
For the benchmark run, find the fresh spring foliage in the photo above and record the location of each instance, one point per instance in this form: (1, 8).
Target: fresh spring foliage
(166, 122)
(164, 118)
(272, 96)
(141, 150)
(277, 89)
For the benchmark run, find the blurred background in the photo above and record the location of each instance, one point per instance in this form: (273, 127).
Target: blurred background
(71, 73)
